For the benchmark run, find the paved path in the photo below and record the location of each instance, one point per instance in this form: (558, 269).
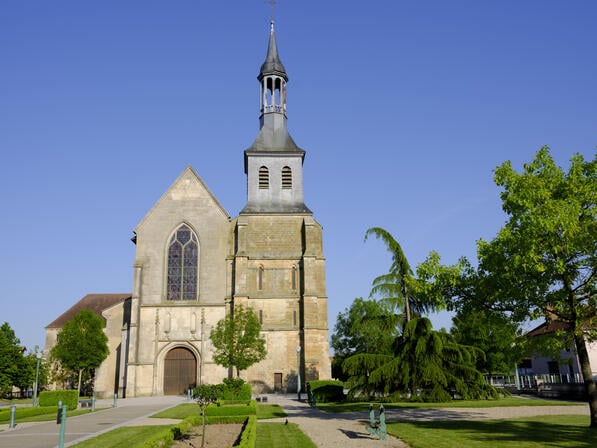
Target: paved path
(45, 435)
(347, 430)
(331, 430)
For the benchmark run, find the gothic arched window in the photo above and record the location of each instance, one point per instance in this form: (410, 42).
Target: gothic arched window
(263, 177)
(286, 178)
(183, 265)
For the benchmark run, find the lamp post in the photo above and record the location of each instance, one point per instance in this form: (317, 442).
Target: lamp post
(298, 370)
(38, 356)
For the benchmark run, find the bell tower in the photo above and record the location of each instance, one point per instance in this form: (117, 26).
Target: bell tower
(274, 163)
(277, 267)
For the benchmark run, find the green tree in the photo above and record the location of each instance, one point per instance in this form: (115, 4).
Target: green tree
(395, 284)
(237, 340)
(204, 395)
(405, 294)
(543, 262)
(492, 332)
(423, 359)
(82, 344)
(13, 368)
(361, 328)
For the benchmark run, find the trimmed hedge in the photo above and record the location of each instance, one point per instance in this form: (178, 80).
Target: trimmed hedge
(70, 398)
(326, 391)
(248, 409)
(166, 437)
(248, 438)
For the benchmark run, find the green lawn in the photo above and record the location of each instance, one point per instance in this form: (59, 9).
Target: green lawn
(562, 431)
(504, 402)
(126, 437)
(37, 414)
(279, 435)
(264, 411)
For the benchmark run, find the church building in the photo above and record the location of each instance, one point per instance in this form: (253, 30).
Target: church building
(194, 264)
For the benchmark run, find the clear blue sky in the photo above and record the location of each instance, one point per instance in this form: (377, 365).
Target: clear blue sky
(404, 109)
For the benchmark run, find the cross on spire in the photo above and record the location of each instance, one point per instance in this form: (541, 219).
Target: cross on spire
(273, 4)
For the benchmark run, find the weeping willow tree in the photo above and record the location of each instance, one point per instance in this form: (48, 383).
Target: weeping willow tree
(422, 359)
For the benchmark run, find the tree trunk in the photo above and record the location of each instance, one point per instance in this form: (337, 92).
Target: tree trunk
(203, 426)
(587, 374)
(79, 385)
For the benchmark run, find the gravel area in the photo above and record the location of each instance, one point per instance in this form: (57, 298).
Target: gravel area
(348, 430)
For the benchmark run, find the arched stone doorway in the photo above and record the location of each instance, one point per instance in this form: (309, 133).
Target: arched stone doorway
(180, 371)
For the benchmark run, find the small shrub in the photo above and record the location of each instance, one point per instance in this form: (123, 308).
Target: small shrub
(70, 398)
(236, 389)
(326, 391)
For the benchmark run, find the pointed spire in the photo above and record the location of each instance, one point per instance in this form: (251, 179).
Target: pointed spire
(272, 64)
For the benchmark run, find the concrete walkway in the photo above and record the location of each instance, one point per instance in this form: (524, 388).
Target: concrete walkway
(45, 435)
(348, 430)
(331, 430)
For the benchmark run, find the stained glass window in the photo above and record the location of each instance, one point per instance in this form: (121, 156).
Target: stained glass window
(183, 263)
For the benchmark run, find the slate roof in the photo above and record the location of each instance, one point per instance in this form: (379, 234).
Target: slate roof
(94, 302)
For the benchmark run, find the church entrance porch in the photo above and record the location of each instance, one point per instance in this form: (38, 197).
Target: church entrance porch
(180, 371)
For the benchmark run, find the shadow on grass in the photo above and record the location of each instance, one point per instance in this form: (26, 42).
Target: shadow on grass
(548, 431)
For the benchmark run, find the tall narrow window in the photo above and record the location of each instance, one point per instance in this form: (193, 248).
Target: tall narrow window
(286, 178)
(293, 278)
(260, 278)
(261, 317)
(263, 177)
(183, 263)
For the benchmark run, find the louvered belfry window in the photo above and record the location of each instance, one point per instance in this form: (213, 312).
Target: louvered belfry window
(286, 178)
(183, 264)
(263, 177)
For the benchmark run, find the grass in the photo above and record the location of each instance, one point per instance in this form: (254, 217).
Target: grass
(264, 411)
(126, 437)
(38, 414)
(279, 435)
(503, 402)
(562, 431)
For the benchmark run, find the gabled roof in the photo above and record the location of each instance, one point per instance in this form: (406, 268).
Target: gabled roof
(94, 302)
(188, 172)
(548, 328)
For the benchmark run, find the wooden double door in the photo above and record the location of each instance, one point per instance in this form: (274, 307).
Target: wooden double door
(180, 371)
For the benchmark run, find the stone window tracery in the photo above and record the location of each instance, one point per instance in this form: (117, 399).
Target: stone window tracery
(183, 264)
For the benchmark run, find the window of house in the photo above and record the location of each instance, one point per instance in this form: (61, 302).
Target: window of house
(286, 178)
(263, 177)
(183, 264)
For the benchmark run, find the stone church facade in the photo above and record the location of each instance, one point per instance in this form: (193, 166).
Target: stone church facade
(194, 264)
